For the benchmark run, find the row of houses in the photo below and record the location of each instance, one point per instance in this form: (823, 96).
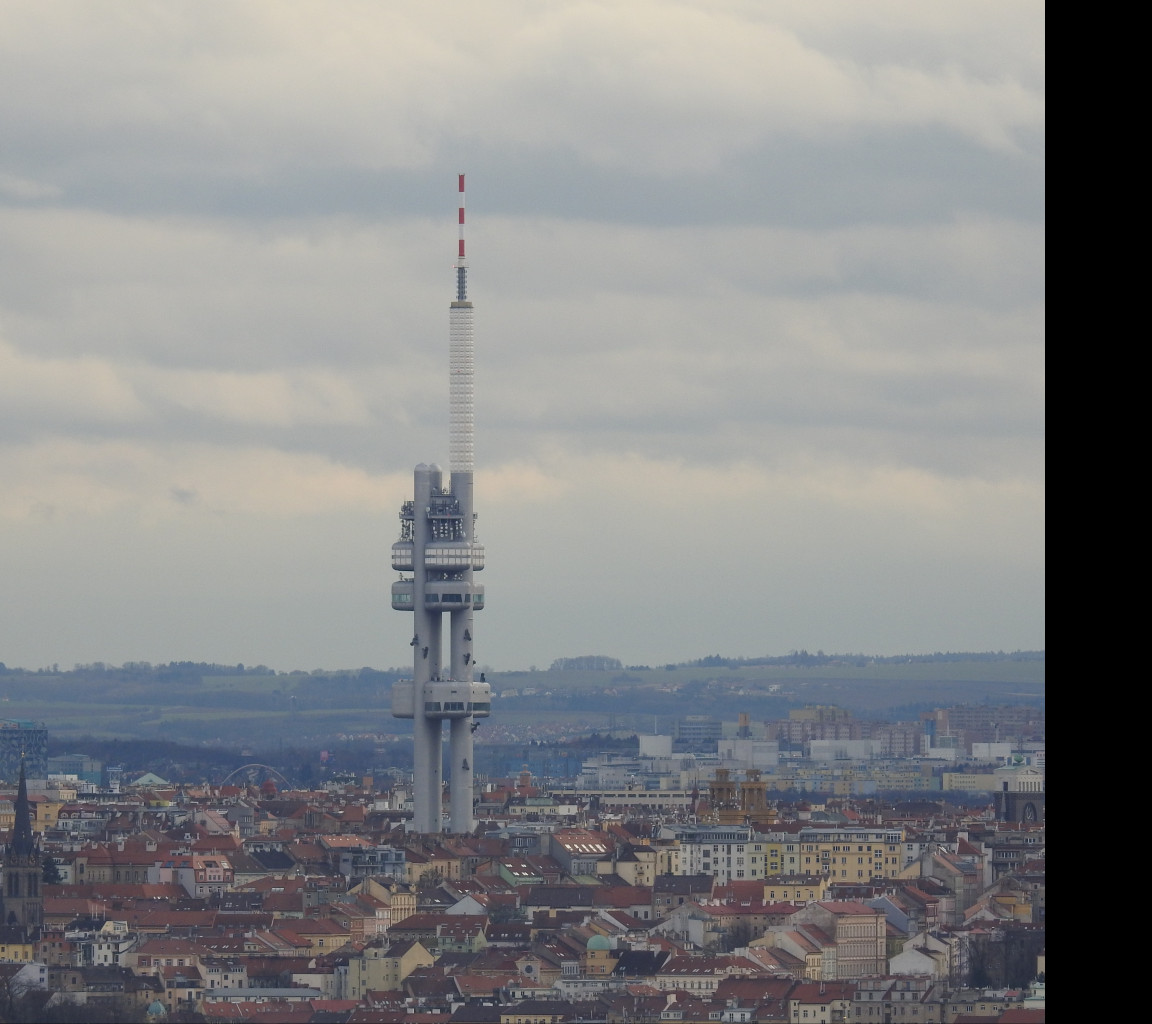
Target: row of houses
(321, 903)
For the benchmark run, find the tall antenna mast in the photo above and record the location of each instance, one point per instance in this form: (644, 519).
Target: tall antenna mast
(461, 366)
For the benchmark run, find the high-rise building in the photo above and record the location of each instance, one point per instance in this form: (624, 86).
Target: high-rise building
(23, 746)
(438, 549)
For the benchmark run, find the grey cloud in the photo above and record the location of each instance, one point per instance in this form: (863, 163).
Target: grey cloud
(780, 256)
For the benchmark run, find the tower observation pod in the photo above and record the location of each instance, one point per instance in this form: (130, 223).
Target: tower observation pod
(437, 556)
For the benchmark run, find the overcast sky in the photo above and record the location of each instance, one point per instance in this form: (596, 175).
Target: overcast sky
(759, 324)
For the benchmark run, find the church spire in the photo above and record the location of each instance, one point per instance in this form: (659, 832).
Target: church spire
(22, 903)
(22, 843)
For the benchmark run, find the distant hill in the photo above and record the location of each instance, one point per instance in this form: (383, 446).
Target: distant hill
(197, 702)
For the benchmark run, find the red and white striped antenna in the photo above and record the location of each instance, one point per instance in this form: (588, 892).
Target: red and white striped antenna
(461, 367)
(461, 259)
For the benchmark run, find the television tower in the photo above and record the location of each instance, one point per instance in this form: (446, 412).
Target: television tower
(438, 547)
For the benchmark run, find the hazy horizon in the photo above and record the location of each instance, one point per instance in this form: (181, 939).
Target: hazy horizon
(626, 665)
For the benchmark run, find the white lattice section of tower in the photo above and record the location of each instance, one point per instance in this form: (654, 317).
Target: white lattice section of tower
(461, 388)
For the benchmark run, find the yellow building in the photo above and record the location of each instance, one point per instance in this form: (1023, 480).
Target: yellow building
(45, 810)
(854, 857)
(383, 969)
(851, 853)
(667, 856)
(780, 858)
(637, 865)
(322, 935)
(792, 888)
(15, 948)
(599, 961)
(399, 897)
(430, 864)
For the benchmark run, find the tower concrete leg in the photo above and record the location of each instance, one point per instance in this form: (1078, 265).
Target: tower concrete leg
(461, 758)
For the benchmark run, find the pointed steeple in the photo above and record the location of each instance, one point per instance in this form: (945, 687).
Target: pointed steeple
(22, 844)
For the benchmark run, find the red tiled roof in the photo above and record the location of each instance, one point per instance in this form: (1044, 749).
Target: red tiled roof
(848, 907)
(822, 991)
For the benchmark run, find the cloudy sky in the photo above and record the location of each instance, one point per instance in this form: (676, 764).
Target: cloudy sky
(759, 316)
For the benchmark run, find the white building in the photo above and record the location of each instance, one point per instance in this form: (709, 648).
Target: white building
(727, 852)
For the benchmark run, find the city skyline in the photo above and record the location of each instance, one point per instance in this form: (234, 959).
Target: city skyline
(763, 325)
